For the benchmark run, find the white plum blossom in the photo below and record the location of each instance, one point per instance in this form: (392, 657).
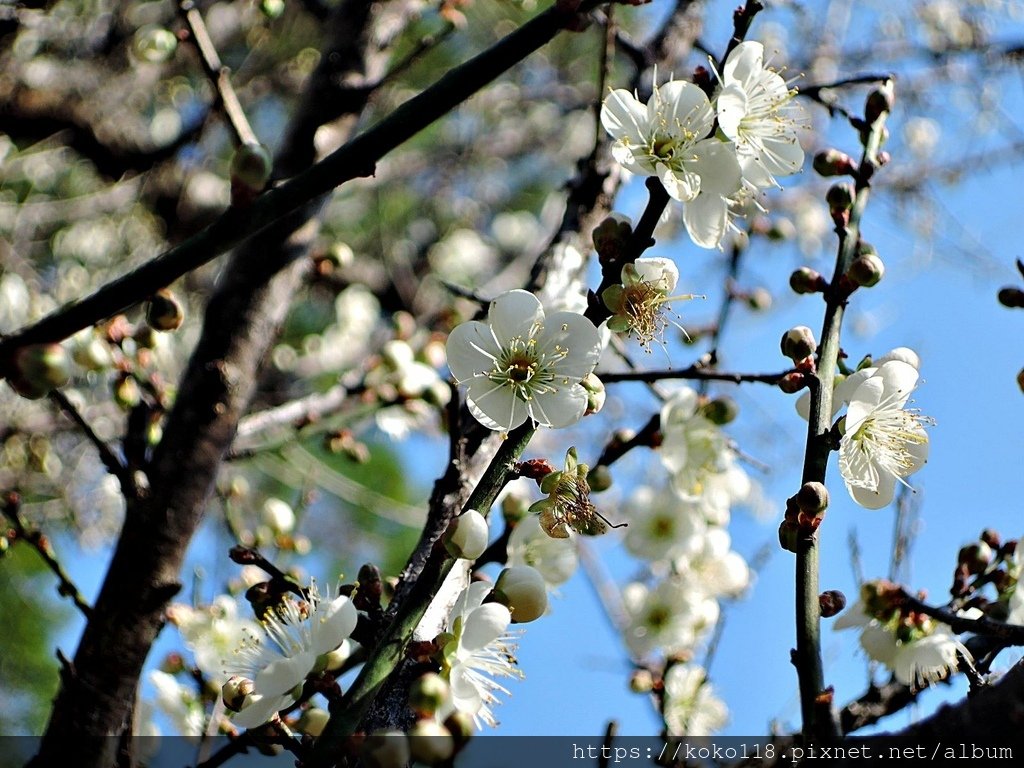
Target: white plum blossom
(671, 137)
(883, 442)
(757, 113)
(555, 559)
(712, 567)
(671, 616)
(478, 649)
(693, 447)
(212, 633)
(691, 707)
(522, 364)
(179, 704)
(662, 525)
(843, 387)
(277, 660)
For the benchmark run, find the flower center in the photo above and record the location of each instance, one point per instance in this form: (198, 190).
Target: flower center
(885, 438)
(525, 369)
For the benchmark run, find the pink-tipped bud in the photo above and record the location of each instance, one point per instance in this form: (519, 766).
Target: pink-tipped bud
(831, 602)
(812, 498)
(840, 199)
(792, 383)
(879, 101)
(866, 271)
(807, 280)
(832, 162)
(798, 343)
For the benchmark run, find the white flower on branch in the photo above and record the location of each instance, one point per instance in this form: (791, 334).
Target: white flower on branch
(670, 617)
(691, 707)
(693, 447)
(276, 662)
(522, 364)
(478, 649)
(884, 442)
(671, 137)
(757, 113)
(528, 544)
(212, 632)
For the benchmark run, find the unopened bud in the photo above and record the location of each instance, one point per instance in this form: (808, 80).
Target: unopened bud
(514, 508)
(759, 299)
(173, 662)
(641, 681)
(1011, 297)
(595, 394)
(154, 44)
(278, 516)
(832, 162)
(428, 694)
(600, 478)
(522, 590)
(792, 383)
(831, 602)
(1020, 379)
(164, 312)
(840, 199)
(991, 538)
(460, 725)
(866, 270)
(39, 368)
(611, 237)
(812, 498)
(720, 411)
(234, 692)
(467, 535)
(880, 100)
(976, 557)
(127, 393)
(272, 8)
(251, 166)
(385, 749)
(798, 343)
(430, 742)
(807, 280)
(312, 722)
(789, 535)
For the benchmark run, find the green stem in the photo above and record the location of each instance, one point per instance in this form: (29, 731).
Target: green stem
(816, 710)
(388, 653)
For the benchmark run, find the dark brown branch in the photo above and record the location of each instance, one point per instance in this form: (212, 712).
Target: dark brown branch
(874, 704)
(11, 508)
(1009, 633)
(693, 373)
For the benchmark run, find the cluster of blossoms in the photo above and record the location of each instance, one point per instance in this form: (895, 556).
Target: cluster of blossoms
(883, 441)
(672, 137)
(917, 649)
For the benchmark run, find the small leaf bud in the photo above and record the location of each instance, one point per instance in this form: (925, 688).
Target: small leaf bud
(164, 312)
(251, 166)
(430, 742)
(1011, 297)
(720, 411)
(792, 383)
(595, 394)
(881, 99)
(798, 343)
(807, 280)
(812, 498)
(385, 749)
(39, 368)
(600, 478)
(832, 162)
(522, 590)
(428, 694)
(831, 602)
(866, 271)
(467, 535)
(840, 199)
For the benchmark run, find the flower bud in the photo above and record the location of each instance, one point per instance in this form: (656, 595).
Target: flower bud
(840, 199)
(792, 383)
(467, 535)
(600, 478)
(164, 312)
(522, 590)
(798, 343)
(831, 602)
(460, 725)
(154, 44)
(430, 742)
(1020, 379)
(39, 368)
(720, 411)
(866, 270)
(759, 299)
(514, 508)
(812, 498)
(127, 393)
(832, 162)
(278, 516)
(807, 280)
(595, 394)
(313, 721)
(251, 166)
(235, 691)
(611, 236)
(92, 353)
(976, 557)
(173, 663)
(641, 681)
(428, 694)
(1011, 297)
(789, 535)
(879, 100)
(991, 538)
(385, 749)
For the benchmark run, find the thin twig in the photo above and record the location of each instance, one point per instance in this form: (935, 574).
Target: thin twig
(693, 373)
(11, 508)
(110, 460)
(220, 76)
(1010, 633)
